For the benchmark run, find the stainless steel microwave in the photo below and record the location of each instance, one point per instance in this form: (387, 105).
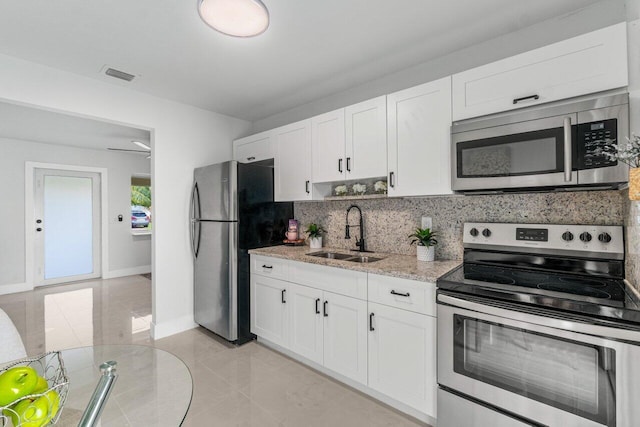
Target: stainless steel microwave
(553, 147)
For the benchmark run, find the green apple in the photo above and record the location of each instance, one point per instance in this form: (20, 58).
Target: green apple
(17, 382)
(41, 386)
(28, 413)
(52, 400)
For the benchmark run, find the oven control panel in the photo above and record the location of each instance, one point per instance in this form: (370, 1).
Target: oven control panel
(520, 237)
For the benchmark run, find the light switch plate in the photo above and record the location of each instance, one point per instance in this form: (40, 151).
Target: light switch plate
(427, 222)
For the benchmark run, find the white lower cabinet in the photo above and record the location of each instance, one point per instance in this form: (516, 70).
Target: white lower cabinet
(345, 336)
(384, 346)
(402, 356)
(306, 322)
(269, 309)
(329, 329)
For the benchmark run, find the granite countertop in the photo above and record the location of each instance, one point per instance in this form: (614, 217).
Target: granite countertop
(394, 265)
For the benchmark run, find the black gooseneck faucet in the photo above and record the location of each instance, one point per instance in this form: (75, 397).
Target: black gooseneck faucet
(347, 235)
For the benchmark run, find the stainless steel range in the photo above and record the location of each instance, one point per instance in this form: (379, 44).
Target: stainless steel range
(539, 328)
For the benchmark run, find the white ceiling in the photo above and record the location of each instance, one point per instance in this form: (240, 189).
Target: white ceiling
(311, 50)
(31, 124)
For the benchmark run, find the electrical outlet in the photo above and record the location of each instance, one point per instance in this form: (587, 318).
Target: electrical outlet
(427, 222)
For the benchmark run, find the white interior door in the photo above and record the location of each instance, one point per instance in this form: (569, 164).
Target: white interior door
(67, 226)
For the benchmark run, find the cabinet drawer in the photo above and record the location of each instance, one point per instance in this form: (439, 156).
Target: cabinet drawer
(411, 295)
(338, 280)
(271, 267)
(253, 151)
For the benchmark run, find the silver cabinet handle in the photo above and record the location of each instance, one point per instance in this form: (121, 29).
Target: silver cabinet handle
(568, 143)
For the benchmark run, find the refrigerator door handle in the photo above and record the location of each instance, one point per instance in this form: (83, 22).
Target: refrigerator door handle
(194, 215)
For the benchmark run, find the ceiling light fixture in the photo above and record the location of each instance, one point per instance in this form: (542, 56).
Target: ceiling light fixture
(238, 18)
(142, 145)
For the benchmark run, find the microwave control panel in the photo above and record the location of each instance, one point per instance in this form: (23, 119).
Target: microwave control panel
(593, 139)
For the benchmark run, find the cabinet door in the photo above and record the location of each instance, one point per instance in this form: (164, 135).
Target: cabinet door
(366, 139)
(306, 322)
(292, 174)
(327, 142)
(253, 148)
(419, 123)
(345, 336)
(402, 356)
(269, 318)
(589, 63)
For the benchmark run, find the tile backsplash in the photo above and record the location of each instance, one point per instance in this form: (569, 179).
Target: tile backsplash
(388, 222)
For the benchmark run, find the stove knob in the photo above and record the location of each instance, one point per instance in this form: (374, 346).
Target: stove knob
(473, 232)
(486, 232)
(604, 237)
(585, 237)
(567, 236)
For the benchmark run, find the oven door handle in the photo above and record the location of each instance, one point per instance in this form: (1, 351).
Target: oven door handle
(555, 319)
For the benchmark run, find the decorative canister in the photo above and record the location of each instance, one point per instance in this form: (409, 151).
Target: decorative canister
(426, 253)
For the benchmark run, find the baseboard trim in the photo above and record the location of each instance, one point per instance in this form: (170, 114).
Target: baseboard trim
(397, 405)
(165, 329)
(143, 269)
(15, 288)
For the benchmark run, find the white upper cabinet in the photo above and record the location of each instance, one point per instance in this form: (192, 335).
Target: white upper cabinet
(350, 143)
(419, 149)
(327, 142)
(366, 139)
(253, 148)
(581, 65)
(292, 174)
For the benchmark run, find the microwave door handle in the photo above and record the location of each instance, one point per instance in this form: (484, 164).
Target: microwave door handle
(568, 166)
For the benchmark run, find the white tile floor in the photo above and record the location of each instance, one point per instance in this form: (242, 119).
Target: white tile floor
(233, 386)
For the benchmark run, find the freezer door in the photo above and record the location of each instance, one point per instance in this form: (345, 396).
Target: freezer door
(215, 192)
(216, 278)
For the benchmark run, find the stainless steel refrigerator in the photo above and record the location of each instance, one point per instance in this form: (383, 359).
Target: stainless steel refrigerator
(232, 211)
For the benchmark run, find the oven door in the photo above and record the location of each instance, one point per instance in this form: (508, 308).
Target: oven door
(535, 153)
(549, 370)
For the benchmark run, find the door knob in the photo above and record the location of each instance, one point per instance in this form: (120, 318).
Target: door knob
(38, 221)
(38, 229)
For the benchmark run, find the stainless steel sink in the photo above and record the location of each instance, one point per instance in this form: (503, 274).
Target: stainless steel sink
(330, 255)
(363, 259)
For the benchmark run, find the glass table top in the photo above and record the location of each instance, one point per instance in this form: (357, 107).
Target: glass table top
(153, 387)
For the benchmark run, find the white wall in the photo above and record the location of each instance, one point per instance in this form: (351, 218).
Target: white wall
(599, 15)
(127, 253)
(183, 137)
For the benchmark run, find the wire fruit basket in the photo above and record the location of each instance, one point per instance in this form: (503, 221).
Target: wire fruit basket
(42, 408)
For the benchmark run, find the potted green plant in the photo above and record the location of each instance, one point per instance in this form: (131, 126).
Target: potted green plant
(426, 240)
(315, 235)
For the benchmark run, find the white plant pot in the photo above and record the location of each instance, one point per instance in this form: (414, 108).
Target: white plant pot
(315, 242)
(426, 253)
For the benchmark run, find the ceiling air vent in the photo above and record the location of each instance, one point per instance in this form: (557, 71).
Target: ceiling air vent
(119, 74)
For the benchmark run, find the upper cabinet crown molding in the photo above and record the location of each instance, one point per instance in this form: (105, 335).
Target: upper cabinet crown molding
(588, 63)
